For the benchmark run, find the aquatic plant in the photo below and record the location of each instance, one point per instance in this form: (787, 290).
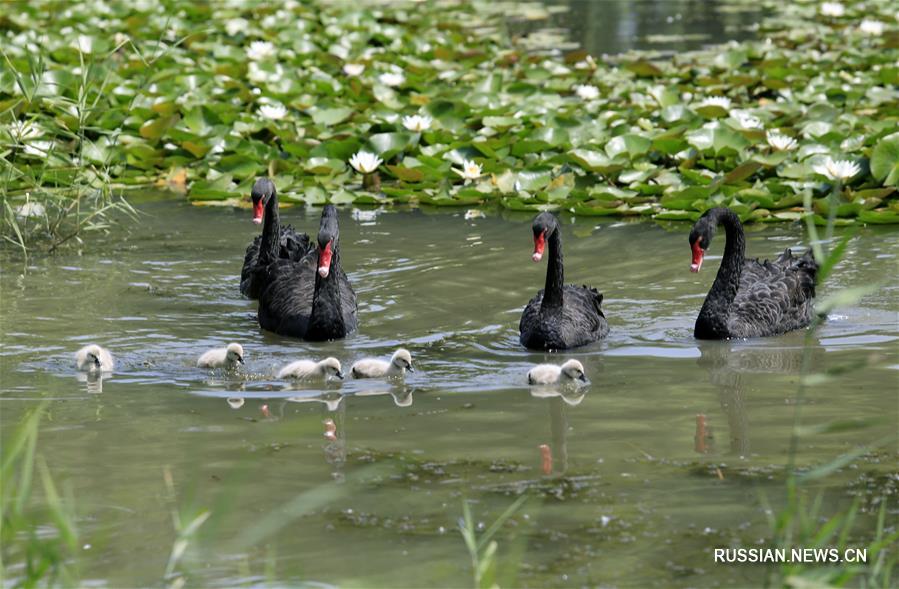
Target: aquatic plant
(801, 522)
(191, 96)
(38, 536)
(483, 549)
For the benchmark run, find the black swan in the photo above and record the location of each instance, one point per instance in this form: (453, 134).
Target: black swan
(750, 298)
(311, 298)
(561, 316)
(275, 242)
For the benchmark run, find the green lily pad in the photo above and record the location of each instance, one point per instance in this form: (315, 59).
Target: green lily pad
(885, 160)
(595, 161)
(331, 116)
(630, 144)
(879, 216)
(407, 174)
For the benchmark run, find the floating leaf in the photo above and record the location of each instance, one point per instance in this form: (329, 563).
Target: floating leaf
(885, 160)
(595, 161)
(630, 144)
(406, 174)
(331, 116)
(644, 69)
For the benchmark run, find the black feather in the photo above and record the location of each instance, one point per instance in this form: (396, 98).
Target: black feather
(750, 298)
(298, 302)
(561, 316)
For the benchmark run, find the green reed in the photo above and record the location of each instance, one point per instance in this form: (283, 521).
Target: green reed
(30, 504)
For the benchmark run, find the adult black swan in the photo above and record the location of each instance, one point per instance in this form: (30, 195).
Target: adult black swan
(561, 316)
(275, 242)
(311, 298)
(750, 298)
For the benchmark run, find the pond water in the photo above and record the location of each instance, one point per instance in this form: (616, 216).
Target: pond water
(635, 496)
(616, 26)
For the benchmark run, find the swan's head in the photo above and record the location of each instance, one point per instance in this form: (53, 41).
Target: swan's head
(701, 239)
(331, 367)
(263, 190)
(328, 234)
(234, 353)
(574, 370)
(402, 359)
(544, 225)
(92, 353)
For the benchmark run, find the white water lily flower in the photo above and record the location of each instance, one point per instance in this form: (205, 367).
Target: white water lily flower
(837, 169)
(260, 50)
(353, 69)
(392, 78)
(417, 123)
(470, 170)
(746, 120)
(235, 26)
(781, 142)
(871, 27)
(274, 112)
(365, 162)
(722, 101)
(586, 92)
(833, 9)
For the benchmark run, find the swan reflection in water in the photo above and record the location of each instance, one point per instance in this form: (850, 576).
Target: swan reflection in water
(561, 398)
(732, 367)
(399, 392)
(93, 381)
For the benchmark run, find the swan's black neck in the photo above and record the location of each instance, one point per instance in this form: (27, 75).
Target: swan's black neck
(326, 319)
(555, 279)
(712, 320)
(270, 247)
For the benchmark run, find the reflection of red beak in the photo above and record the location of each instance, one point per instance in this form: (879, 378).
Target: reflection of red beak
(258, 211)
(697, 257)
(324, 261)
(330, 430)
(546, 459)
(539, 244)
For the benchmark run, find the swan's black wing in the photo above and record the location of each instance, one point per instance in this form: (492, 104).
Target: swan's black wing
(580, 321)
(248, 284)
(347, 302)
(286, 302)
(774, 297)
(293, 246)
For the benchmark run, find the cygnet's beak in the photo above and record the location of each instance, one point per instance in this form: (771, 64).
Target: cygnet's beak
(410, 369)
(583, 379)
(96, 361)
(240, 359)
(339, 375)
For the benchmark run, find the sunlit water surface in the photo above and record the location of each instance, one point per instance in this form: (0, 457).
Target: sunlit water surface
(636, 497)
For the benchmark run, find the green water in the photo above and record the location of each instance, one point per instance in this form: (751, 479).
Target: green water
(631, 502)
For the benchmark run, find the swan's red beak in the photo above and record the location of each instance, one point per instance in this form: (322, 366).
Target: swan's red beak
(697, 257)
(324, 261)
(539, 245)
(258, 210)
